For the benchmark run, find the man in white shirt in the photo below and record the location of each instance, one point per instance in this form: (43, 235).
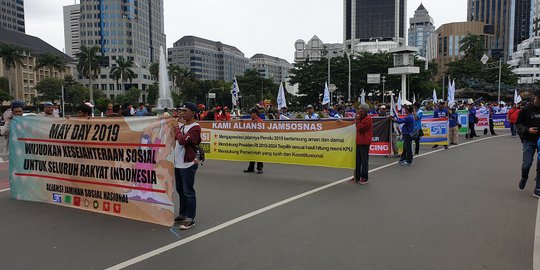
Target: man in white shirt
(311, 115)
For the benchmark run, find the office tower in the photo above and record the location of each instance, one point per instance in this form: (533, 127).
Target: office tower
(12, 15)
(496, 14)
(420, 28)
(72, 38)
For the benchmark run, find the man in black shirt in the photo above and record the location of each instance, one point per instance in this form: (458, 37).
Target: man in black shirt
(527, 124)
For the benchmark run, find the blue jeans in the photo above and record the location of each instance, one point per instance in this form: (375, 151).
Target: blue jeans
(529, 149)
(513, 129)
(407, 154)
(185, 180)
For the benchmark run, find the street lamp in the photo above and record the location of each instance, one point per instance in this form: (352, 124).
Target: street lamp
(208, 95)
(348, 58)
(495, 65)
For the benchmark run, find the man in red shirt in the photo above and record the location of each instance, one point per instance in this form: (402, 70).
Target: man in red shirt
(364, 136)
(255, 118)
(512, 117)
(226, 116)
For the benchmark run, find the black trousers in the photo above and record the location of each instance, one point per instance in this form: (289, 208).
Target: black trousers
(252, 166)
(407, 154)
(472, 132)
(362, 162)
(491, 127)
(417, 146)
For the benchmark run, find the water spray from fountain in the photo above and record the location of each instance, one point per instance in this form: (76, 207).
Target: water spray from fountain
(165, 97)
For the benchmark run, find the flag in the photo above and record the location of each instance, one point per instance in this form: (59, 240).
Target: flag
(399, 102)
(393, 111)
(435, 100)
(451, 93)
(234, 93)
(517, 97)
(326, 98)
(363, 97)
(414, 98)
(281, 101)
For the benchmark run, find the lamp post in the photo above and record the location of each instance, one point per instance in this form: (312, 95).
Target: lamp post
(495, 65)
(383, 90)
(208, 95)
(349, 83)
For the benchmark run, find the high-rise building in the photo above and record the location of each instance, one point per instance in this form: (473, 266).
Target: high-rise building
(534, 25)
(525, 61)
(72, 38)
(315, 50)
(128, 29)
(366, 20)
(420, 28)
(444, 45)
(208, 60)
(12, 15)
(271, 67)
(496, 14)
(520, 20)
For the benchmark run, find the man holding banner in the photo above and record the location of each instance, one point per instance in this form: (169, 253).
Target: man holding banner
(407, 130)
(364, 136)
(188, 136)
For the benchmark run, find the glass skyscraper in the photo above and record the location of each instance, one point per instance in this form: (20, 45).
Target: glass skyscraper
(12, 15)
(420, 28)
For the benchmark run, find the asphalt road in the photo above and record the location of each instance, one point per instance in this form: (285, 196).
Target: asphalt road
(453, 209)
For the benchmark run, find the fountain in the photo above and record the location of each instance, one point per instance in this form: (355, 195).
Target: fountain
(165, 98)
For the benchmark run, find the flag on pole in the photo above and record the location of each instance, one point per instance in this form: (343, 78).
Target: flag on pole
(393, 111)
(363, 97)
(234, 92)
(326, 97)
(281, 101)
(435, 100)
(414, 98)
(399, 102)
(517, 97)
(451, 93)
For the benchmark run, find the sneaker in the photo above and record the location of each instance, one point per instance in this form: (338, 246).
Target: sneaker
(259, 171)
(406, 164)
(187, 224)
(352, 180)
(435, 147)
(446, 147)
(363, 181)
(522, 184)
(514, 136)
(179, 218)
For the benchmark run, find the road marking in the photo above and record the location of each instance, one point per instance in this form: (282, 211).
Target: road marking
(4, 190)
(536, 255)
(229, 223)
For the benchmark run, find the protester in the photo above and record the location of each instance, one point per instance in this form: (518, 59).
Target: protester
(254, 113)
(226, 114)
(283, 114)
(210, 116)
(141, 111)
(511, 117)
(492, 113)
(84, 111)
(364, 135)
(56, 111)
(407, 130)
(126, 112)
(473, 120)
(116, 111)
(48, 110)
(418, 115)
(453, 123)
(440, 112)
(311, 115)
(17, 108)
(188, 137)
(166, 112)
(527, 124)
(110, 109)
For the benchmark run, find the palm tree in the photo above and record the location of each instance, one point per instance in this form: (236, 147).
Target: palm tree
(88, 65)
(183, 75)
(154, 71)
(472, 46)
(173, 70)
(11, 57)
(51, 61)
(122, 71)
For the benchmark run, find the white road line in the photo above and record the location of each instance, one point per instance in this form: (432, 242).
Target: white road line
(3, 190)
(536, 255)
(229, 223)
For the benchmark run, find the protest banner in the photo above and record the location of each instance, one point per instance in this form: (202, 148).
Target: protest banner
(483, 118)
(500, 122)
(313, 143)
(117, 166)
(435, 131)
(381, 145)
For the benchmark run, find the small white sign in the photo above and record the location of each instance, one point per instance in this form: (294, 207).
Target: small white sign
(212, 95)
(485, 59)
(374, 78)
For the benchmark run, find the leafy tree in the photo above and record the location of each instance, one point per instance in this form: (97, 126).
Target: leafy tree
(51, 61)
(173, 71)
(154, 71)
(153, 94)
(49, 89)
(4, 96)
(122, 71)
(102, 103)
(4, 84)
(254, 88)
(12, 57)
(132, 97)
(473, 46)
(88, 65)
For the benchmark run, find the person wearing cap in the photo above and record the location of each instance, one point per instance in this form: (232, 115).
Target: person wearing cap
(407, 130)
(48, 110)
(254, 113)
(311, 115)
(188, 137)
(440, 112)
(226, 116)
(528, 123)
(364, 136)
(17, 108)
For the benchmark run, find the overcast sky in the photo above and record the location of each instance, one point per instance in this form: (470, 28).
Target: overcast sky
(269, 27)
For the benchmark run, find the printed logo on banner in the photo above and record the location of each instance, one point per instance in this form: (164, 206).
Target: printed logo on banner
(206, 136)
(117, 208)
(86, 203)
(95, 205)
(57, 198)
(106, 206)
(67, 199)
(77, 201)
(438, 130)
